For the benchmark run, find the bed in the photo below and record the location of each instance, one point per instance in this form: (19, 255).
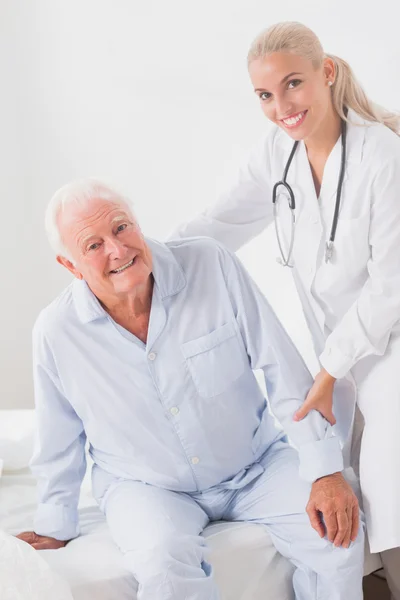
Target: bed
(245, 563)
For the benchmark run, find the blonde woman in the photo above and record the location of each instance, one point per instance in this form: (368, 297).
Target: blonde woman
(329, 175)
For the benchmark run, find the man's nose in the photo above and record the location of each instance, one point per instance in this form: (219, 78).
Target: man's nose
(115, 249)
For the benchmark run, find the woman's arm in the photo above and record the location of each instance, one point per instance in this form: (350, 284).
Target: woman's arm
(366, 327)
(244, 210)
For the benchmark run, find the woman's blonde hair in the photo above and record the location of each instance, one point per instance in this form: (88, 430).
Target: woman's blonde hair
(298, 39)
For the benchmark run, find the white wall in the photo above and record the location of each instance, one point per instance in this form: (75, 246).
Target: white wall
(154, 96)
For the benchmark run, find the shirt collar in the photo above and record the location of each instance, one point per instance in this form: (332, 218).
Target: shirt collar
(356, 128)
(168, 274)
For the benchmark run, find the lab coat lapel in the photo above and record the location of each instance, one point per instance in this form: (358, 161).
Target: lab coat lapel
(309, 241)
(308, 220)
(331, 175)
(354, 144)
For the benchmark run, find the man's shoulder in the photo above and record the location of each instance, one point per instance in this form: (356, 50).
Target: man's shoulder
(193, 247)
(201, 256)
(57, 313)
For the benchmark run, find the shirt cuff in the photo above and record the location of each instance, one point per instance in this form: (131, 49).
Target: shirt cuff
(335, 362)
(56, 521)
(321, 458)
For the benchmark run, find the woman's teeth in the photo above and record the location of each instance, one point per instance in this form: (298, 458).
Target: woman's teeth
(120, 269)
(294, 120)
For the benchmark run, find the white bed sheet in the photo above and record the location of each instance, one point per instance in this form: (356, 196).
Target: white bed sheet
(25, 575)
(246, 565)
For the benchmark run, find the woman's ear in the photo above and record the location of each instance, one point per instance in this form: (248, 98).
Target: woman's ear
(329, 70)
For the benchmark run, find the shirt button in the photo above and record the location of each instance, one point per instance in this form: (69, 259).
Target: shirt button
(174, 410)
(152, 356)
(195, 460)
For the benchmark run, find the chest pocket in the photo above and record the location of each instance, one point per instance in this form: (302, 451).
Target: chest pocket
(351, 252)
(215, 360)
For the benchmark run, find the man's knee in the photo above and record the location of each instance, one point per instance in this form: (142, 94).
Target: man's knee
(321, 555)
(340, 558)
(171, 552)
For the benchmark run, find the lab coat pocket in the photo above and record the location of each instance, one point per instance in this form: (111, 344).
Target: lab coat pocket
(215, 360)
(352, 247)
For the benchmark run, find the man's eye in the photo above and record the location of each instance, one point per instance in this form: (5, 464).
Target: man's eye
(94, 246)
(265, 96)
(121, 227)
(293, 83)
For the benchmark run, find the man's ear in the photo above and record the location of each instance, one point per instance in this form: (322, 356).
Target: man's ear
(70, 266)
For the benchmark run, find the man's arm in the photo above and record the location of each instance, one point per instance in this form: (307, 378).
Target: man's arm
(288, 381)
(59, 461)
(286, 376)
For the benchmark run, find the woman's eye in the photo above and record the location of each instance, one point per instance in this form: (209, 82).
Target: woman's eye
(121, 227)
(293, 83)
(265, 96)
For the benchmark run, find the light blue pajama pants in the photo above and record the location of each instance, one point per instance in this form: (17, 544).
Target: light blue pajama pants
(158, 531)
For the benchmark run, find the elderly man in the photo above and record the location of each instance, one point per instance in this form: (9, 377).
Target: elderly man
(149, 355)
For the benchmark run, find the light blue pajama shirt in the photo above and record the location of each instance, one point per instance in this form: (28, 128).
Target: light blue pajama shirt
(183, 412)
(179, 430)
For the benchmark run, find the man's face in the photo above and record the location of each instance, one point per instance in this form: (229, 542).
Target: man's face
(106, 246)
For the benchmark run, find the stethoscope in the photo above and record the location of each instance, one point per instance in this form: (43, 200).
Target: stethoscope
(285, 261)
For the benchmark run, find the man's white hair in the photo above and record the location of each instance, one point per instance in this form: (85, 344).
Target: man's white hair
(81, 192)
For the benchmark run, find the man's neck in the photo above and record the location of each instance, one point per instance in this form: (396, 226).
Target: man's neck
(134, 304)
(132, 311)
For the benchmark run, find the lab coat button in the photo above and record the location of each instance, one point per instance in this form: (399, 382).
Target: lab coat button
(174, 410)
(152, 356)
(195, 460)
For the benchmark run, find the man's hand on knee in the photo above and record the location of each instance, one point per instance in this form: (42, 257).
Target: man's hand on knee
(40, 542)
(333, 510)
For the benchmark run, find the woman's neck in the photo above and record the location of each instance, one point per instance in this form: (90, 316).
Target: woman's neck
(321, 142)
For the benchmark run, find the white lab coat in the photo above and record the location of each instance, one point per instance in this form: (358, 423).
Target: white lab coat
(352, 303)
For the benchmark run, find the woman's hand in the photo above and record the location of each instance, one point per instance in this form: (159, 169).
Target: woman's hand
(319, 398)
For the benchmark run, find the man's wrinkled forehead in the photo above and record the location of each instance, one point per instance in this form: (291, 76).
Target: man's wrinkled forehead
(94, 211)
(115, 220)
(83, 221)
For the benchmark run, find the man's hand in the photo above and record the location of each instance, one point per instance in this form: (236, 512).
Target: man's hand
(40, 542)
(333, 500)
(319, 398)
